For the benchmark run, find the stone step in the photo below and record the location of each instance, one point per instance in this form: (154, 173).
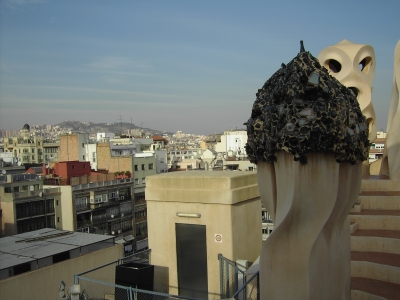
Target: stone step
(376, 183)
(357, 207)
(371, 289)
(376, 265)
(376, 219)
(385, 241)
(387, 202)
(353, 227)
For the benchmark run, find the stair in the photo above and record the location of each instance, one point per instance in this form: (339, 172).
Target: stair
(375, 241)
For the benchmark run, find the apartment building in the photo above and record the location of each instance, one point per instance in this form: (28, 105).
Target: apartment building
(30, 150)
(99, 207)
(233, 143)
(26, 205)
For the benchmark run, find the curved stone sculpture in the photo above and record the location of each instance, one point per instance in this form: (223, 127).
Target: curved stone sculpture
(307, 256)
(308, 136)
(354, 66)
(391, 155)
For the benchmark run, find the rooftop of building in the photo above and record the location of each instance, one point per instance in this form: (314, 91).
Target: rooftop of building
(35, 245)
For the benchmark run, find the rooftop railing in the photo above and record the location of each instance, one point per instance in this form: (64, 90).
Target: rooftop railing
(101, 183)
(99, 283)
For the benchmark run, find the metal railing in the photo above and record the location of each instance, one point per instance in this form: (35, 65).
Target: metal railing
(101, 183)
(232, 278)
(99, 283)
(250, 290)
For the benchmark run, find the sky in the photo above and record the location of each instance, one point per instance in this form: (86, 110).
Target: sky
(193, 66)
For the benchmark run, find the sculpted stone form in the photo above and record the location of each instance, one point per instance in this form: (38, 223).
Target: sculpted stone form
(307, 135)
(302, 109)
(391, 156)
(354, 66)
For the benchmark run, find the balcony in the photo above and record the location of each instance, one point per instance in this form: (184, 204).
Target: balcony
(98, 220)
(140, 219)
(83, 223)
(101, 184)
(119, 198)
(112, 217)
(81, 207)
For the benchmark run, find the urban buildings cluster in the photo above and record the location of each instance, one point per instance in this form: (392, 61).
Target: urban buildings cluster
(52, 190)
(96, 183)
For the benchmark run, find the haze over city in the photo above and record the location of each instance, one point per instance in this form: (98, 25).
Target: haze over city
(193, 66)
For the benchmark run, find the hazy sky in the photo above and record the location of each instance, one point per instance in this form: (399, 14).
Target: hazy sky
(193, 66)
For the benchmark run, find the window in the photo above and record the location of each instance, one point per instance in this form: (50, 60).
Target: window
(112, 211)
(83, 145)
(33, 150)
(144, 180)
(57, 202)
(143, 167)
(73, 166)
(50, 206)
(113, 195)
(80, 202)
(141, 229)
(126, 207)
(136, 168)
(126, 224)
(94, 156)
(136, 181)
(83, 158)
(151, 166)
(98, 198)
(33, 157)
(58, 219)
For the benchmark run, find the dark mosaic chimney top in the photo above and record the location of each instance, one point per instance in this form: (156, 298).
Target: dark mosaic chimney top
(302, 109)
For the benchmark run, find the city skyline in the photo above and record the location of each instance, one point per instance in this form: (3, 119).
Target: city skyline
(190, 66)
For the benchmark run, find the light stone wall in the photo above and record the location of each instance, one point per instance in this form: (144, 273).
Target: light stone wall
(44, 283)
(68, 213)
(391, 155)
(8, 225)
(229, 205)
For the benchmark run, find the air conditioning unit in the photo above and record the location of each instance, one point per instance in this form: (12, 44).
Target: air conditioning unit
(112, 232)
(119, 231)
(112, 216)
(122, 215)
(122, 197)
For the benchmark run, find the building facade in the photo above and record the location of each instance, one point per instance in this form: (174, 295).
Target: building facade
(26, 205)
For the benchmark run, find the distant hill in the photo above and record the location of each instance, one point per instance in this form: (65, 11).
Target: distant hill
(90, 127)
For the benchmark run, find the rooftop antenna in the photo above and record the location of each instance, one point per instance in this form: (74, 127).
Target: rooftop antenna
(130, 131)
(120, 119)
